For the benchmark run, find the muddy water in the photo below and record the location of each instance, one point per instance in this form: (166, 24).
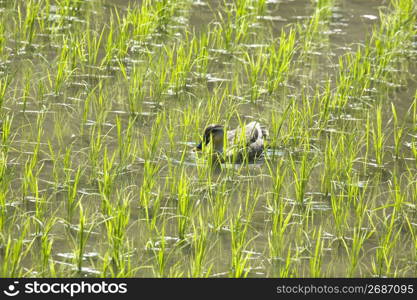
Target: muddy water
(351, 24)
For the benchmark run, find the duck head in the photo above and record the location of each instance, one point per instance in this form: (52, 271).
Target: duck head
(215, 134)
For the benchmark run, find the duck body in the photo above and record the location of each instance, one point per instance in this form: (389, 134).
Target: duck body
(244, 143)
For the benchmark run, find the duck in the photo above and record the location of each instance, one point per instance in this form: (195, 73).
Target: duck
(244, 143)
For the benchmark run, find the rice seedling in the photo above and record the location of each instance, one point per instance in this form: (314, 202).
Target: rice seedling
(281, 216)
(72, 198)
(280, 60)
(102, 107)
(47, 264)
(117, 220)
(27, 21)
(83, 231)
(398, 133)
(184, 208)
(14, 252)
(378, 138)
(240, 258)
(160, 250)
(201, 247)
(383, 261)
(254, 68)
(4, 83)
(316, 256)
(301, 175)
(2, 39)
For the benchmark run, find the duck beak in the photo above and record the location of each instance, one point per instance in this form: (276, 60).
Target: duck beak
(199, 147)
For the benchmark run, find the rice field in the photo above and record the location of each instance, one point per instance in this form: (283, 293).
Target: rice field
(103, 102)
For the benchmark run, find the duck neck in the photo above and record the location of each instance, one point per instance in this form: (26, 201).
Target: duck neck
(218, 140)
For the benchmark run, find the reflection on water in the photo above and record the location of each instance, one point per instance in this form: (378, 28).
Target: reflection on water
(72, 114)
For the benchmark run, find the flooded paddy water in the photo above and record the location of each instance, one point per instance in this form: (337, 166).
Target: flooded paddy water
(102, 104)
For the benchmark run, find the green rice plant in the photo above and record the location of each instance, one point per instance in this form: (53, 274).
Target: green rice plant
(200, 244)
(118, 215)
(260, 6)
(281, 221)
(239, 243)
(151, 168)
(44, 16)
(41, 210)
(330, 166)
(78, 55)
(27, 21)
(47, 263)
(87, 108)
(150, 172)
(101, 106)
(119, 39)
(127, 149)
(396, 192)
(80, 242)
(31, 169)
(72, 197)
(278, 176)
(14, 251)
(62, 70)
(241, 7)
(354, 76)
(413, 233)
(316, 259)
(356, 193)
(2, 40)
(339, 210)
(324, 8)
(251, 201)
(26, 91)
(394, 35)
(136, 90)
(96, 145)
(378, 137)
(3, 192)
(398, 133)
(234, 24)
(106, 181)
(160, 76)
(312, 31)
(151, 144)
(301, 175)
(280, 59)
(153, 213)
(360, 236)
(277, 123)
(143, 20)
(368, 142)
(108, 268)
(219, 199)
(325, 180)
(180, 60)
(6, 133)
(383, 261)
(254, 68)
(94, 42)
(161, 254)
(184, 205)
(288, 269)
(110, 43)
(414, 149)
(413, 111)
(4, 84)
(200, 46)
